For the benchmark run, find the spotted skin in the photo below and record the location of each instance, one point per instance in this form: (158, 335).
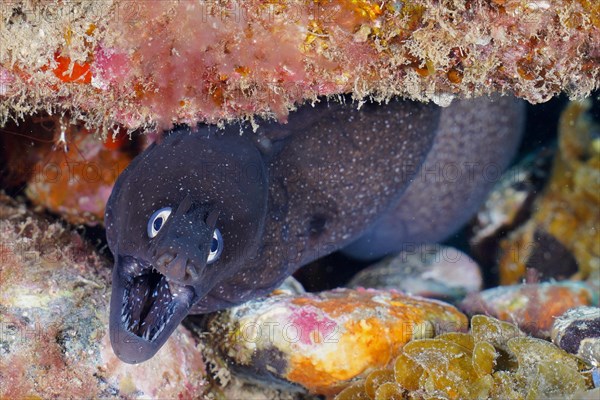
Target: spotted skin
(475, 141)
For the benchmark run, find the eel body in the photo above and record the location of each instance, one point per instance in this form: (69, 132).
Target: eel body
(207, 219)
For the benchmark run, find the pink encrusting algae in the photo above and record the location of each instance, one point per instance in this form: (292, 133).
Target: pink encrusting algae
(124, 62)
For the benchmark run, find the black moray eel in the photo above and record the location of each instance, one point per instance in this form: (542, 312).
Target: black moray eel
(207, 219)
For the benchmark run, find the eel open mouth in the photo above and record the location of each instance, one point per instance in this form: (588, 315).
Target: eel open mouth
(146, 307)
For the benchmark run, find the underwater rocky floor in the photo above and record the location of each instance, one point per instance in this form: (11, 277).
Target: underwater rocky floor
(508, 308)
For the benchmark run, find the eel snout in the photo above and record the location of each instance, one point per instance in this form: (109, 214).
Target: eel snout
(146, 308)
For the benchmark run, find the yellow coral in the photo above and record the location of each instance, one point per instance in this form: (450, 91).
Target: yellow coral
(568, 209)
(477, 365)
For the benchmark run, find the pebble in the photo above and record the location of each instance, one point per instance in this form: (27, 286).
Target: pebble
(433, 271)
(578, 332)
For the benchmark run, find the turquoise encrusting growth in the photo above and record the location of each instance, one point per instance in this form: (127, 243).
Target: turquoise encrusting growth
(313, 186)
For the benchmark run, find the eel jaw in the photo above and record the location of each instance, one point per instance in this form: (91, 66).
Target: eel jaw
(145, 308)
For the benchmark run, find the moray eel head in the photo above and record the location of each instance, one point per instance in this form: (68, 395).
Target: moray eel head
(153, 294)
(199, 206)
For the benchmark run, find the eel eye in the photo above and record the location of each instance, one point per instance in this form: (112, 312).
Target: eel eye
(216, 247)
(157, 220)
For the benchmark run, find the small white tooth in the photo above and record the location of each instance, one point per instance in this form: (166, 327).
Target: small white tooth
(162, 326)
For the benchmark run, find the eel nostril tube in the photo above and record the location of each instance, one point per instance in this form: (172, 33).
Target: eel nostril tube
(176, 268)
(164, 260)
(191, 272)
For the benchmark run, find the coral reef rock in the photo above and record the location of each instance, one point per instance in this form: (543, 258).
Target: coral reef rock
(183, 62)
(433, 271)
(77, 183)
(562, 239)
(63, 167)
(509, 204)
(322, 341)
(54, 318)
(533, 307)
(494, 361)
